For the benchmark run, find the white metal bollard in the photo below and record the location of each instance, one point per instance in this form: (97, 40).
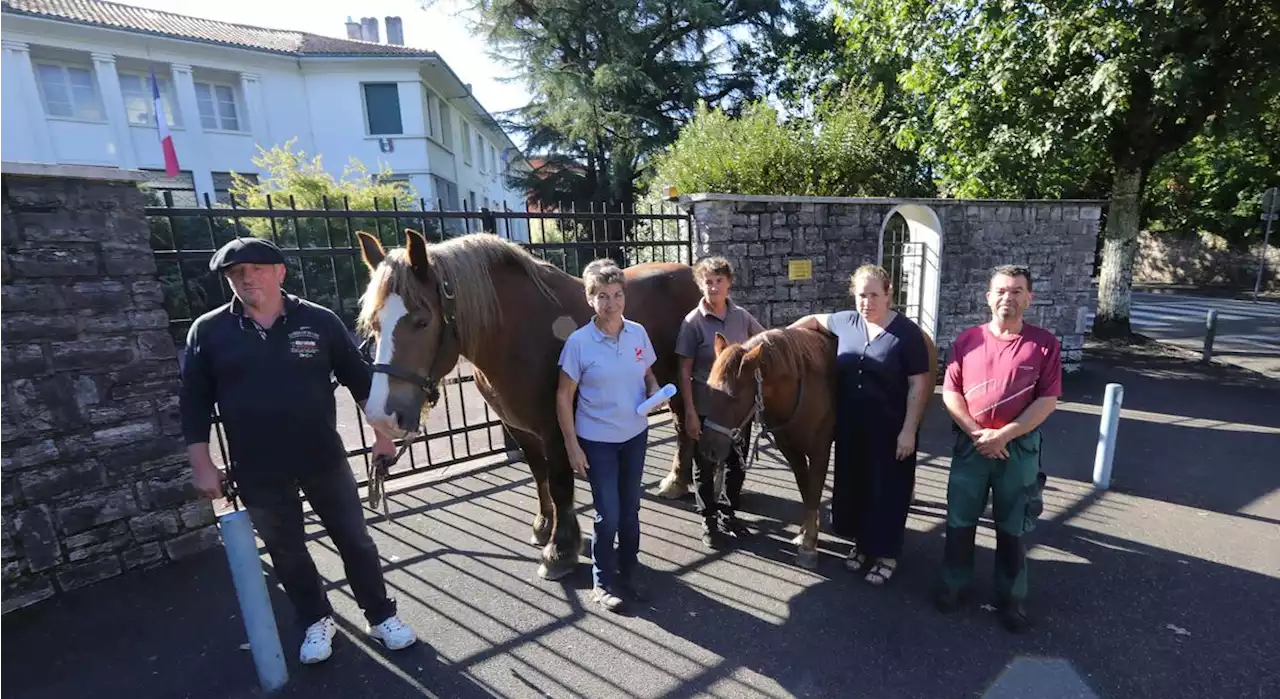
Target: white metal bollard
(1107, 429)
(255, 602)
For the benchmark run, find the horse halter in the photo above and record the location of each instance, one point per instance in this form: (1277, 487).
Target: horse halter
(757, 414)
(429, 384)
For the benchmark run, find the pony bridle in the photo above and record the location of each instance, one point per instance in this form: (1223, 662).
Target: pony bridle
(757, 414)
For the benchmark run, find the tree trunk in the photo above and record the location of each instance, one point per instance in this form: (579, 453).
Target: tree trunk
(1119, 247)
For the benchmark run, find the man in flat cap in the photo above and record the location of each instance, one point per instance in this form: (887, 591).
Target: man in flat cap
(265, 359)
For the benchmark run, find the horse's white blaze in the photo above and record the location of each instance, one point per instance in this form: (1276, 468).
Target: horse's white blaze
(393, 310)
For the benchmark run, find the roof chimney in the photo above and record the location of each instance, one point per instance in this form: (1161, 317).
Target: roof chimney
(395, 31)
(369, 29)
(353, 30)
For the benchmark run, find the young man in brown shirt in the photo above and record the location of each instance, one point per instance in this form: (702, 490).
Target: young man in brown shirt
(715, 313)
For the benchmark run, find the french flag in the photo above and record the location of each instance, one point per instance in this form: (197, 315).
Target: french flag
(166, 138)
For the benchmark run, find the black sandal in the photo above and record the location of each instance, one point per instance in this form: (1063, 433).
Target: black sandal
(881, 572)
(855, 561)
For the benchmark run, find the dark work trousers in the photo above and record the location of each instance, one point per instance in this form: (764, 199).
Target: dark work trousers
(276, 511)
(1016, 489)
(709, 503)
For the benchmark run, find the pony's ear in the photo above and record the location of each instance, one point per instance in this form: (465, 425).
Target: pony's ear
(417, 247)
(721, 343)
(371, 250)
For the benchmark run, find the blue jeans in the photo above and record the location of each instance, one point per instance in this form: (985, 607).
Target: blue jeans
(615, 470)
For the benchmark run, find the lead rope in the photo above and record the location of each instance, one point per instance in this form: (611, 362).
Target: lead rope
(757, 421)
(377, 471)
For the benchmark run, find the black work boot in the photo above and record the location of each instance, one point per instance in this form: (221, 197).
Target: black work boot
(957, 564)
(711, 536)
(1013, 616)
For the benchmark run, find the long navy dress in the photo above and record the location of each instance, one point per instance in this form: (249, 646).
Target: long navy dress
(871, 488)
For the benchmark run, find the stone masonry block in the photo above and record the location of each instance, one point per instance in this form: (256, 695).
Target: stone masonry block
(107, 539)
(153, 526)
(27, 591)
(92, 354)
(192, 543)
(34, 531)
(144, 556)
(97, 508)
(30, 297)
(61, 480)
(196, 514)
(147, 294)
(58, 262)
(26, 456)
(167, 488)
(103, 295)
(23, 360)
(23, 327)
(78, 575)
(128, 259)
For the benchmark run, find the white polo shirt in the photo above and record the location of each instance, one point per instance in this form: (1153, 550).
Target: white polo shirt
(610, 377)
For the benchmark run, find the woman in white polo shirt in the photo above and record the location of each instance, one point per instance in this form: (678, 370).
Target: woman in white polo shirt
(608, 362)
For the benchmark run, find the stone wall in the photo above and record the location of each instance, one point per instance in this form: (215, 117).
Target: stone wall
(94, 473)
(1205, 261)
(957, 243)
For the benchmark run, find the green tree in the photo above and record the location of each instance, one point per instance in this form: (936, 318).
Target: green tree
(1215, 183)
(1009, 98)
(841, 150)
(612, 81)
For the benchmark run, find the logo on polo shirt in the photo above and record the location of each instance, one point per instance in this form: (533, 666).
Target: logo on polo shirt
(304, 343)
(639, 354)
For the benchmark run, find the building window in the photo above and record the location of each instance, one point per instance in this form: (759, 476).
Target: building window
(139, 106)
(446, 124)
(69, 91)
(217, 105)
(382, 108)
(493, 162)
(433, 113)
(466, 142)
(446, 193)
(222, 184)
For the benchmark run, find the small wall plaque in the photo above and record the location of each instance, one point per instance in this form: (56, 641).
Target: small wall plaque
(799, 270)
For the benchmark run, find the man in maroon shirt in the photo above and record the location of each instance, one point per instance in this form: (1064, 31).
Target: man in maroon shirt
(1003, 379)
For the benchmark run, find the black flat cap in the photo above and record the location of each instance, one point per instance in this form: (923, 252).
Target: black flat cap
(246, 250)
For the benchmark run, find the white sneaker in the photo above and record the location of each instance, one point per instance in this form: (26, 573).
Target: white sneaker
(393, 634)
(318, 644)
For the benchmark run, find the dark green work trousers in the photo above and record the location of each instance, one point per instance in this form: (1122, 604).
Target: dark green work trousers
(1016, 487)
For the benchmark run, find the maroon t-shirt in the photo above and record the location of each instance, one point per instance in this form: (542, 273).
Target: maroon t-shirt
(1000, 377)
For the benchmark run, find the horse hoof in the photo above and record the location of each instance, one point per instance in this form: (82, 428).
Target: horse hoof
(807, 559)
(554, 572)
(672, 489)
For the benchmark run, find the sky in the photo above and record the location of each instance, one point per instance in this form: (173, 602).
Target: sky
(437, 29)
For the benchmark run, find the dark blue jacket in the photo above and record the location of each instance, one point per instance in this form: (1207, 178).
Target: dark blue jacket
(273, 387)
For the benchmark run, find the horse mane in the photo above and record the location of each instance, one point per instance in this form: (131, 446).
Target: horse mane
(781, 352)
(465, 264)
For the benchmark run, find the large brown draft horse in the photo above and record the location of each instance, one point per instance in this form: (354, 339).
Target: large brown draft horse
(786, 379)
(487, 299)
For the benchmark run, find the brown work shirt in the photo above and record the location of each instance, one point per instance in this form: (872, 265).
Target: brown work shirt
(697, 341)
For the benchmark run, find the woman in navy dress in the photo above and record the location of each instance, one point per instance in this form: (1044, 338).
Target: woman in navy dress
(882, 365)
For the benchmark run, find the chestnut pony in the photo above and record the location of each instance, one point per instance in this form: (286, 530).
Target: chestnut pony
(786, 379)
(487, 299)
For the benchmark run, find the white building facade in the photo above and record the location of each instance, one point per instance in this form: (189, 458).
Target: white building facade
(77, 90)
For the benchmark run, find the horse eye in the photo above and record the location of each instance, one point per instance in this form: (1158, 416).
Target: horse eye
(420, 323)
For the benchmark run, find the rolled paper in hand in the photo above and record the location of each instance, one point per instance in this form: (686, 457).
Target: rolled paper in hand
(663, 393)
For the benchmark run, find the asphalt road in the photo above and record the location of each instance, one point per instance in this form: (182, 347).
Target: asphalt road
(1248, 333)
(1166, 585)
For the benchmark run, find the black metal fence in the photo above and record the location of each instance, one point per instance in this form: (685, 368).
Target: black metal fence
(324, 266)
